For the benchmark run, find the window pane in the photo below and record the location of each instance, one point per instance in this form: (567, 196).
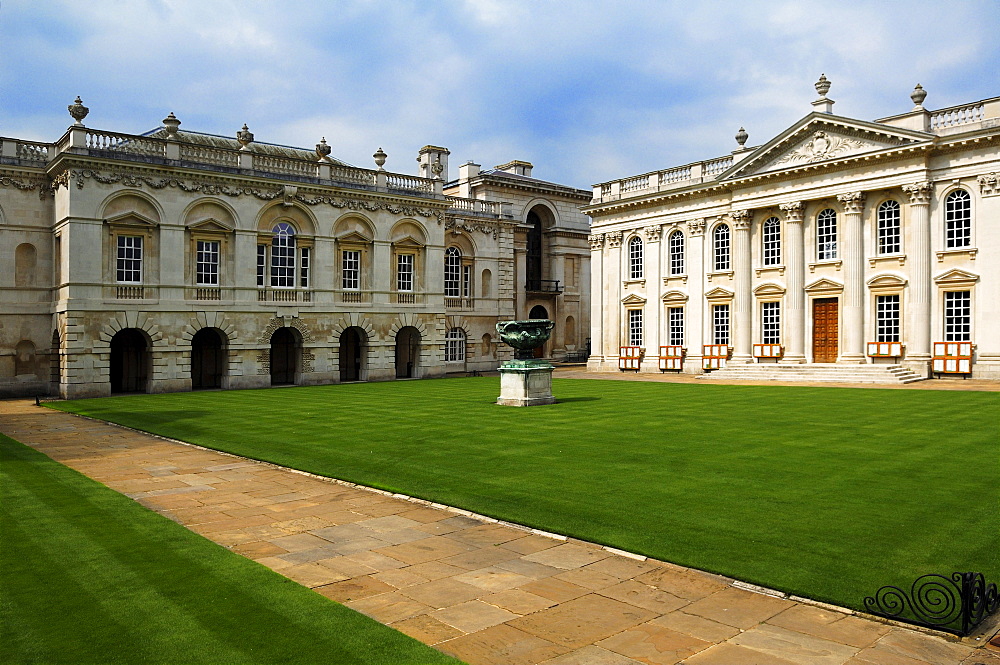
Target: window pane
(208, 263)
(721, 243)
(958, 316)
(635, 258)
(676, 253)
(720, 324)
(770, 317)
(887, 318)
(771, 236)
(283, 256)
(635, 327)
(888, 229)
(958, 219)
(304, 267)
(676, 321)
(404, 272)
(351, 269)
(452, 272)
(454, 348)
(261, 263)
(129, 261)
(826, 235)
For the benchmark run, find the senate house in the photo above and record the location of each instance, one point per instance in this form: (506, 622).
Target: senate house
(176, 260)
(841, 249)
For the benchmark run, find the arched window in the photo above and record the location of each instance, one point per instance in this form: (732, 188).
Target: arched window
(635, 258)
(452, 273)
(720, 244)
(676, 249)
(771, 237)
(454, 345)
(888, 228)
(283, 256)
(958, 219)
(826, 235)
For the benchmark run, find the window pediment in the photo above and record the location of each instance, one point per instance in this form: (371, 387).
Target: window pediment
(409, 242)
(769, 289)
(210, 225)
(719, 293)
(633, 299)
(824, 285)
(133, 219)
(956, 277)
(675, 297)
(886, 281)
(353, 238)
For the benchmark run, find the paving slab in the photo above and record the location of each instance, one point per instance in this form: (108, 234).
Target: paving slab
(486, 592)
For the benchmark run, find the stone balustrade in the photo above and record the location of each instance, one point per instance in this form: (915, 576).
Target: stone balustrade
(658, 181)
(957, 115)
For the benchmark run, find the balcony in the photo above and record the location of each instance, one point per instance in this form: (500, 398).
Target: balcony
(284, 295)
(543, 286)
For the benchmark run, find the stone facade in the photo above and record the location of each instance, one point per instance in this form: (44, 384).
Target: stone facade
(833, 236)
(176, 260)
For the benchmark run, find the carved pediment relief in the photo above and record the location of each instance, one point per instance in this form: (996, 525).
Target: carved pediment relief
(885, 281)
(633, 299)
(956, 277)
(210, 225)
(769, 289)
(675, 297)
(407, 241)
(824, 285)
(353, 237)
(819, 139)
(131, 219)
(719, 293)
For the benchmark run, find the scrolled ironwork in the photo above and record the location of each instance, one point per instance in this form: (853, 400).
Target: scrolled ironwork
(955, 605)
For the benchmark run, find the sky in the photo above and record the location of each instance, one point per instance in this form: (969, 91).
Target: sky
(587, 91)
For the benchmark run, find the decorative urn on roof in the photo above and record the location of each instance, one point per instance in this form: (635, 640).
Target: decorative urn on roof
(323, 150)
(245, 137)
(171, 123)
(78, 111)
(380, 157)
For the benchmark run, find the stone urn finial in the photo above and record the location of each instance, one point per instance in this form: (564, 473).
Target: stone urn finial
(437, 168)
(918, 96)
(741, 137)
(823, 86)
(380, 159)
(323, 150)
(245, 137)
(171, 123)
(78, 111)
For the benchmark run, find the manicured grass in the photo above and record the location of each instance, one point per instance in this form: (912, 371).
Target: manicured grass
(823, 492)
(89, 576)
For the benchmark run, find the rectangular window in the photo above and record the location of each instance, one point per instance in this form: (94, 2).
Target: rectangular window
(283, 263)
(675, 319)
(826, 235)
(404, 272)
(304, 267)
(958, 316)
(261, 264)
(208, 263)
(887, 318)
(772, 241)
(770, 319)
(888, 228)
(466, 281)
(635, 327)
(351, 272)
(720, 324)
(129, 263)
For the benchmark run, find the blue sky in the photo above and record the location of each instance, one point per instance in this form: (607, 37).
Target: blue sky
(587, 91)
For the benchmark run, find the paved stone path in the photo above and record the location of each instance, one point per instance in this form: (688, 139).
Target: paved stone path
(485, 592)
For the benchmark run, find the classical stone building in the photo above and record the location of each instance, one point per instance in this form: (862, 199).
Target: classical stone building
(869, 248)
(175, 260)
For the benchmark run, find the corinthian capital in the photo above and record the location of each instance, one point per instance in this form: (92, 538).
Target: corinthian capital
(920, 192)
(614, 239)
(741, 219)
(854, 202)
(696, 227)
(653, 233)
(792, 210)
(596, 240)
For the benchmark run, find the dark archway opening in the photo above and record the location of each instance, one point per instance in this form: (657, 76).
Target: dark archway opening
(208, 359)
(407, 352)
(285, 350)
(533, 255)
(351, 353)
(539, 312)
(129, 362)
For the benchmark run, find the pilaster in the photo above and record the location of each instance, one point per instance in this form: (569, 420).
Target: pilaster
(743, 296)
(612, 295)
(596, 296)
(853, 251)
(654, 308)
(918, 338)
(695, 310)
(795, 295)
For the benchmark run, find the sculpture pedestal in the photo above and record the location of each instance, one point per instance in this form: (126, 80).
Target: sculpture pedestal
(526, 383)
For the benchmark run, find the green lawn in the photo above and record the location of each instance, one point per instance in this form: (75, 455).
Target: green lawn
(823, 492)
(89, 576)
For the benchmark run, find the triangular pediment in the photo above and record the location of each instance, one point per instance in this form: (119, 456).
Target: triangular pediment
(210, 224)
(675, 296)
(353, 237)
(407, 241)
(633, 300)
(769, 289)
(824, 285)
(886, 280)
(131, 218)
(821, 137)
(719, 293)
(956, 277)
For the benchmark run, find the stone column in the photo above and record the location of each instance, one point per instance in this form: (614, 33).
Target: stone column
(694, 312)
(612, 298)
(918, 339)
(743, 296)
(654, 307)
(597, 298)
(795, 295)
(853, 256)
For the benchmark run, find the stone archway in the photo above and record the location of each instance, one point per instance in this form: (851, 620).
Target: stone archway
(130, 361)
(352, 354)
(208, 359)
(286, 356)
(407, 352)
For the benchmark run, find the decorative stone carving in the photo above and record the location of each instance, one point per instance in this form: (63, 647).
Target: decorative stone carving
(288, 193)
(380, 158)
(854, 202)
(696, 227)
(614, 239)
(323, 150)
(823, 86)
(741, 219)
(437, 168)
(78, 111)
(283, 322)
(792, 210)
(596, 240)
(171, 123)
(824, 146)
(653, 233)
(918, 96)
(741, 137)
(919, 192)
(245, 137)
(988, 184)
(457, 224)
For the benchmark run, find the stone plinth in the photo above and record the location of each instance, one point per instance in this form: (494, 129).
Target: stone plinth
(526, 383)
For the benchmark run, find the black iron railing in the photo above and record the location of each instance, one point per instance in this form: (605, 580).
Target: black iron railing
(954, 605)
(543, 285)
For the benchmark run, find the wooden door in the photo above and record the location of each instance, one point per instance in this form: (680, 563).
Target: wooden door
(825, 330)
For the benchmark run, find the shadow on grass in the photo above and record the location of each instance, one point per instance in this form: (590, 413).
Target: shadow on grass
(560, 400)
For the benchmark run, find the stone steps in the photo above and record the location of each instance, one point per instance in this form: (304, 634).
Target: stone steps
(815, 372)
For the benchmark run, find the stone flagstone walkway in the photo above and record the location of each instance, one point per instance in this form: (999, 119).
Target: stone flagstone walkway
(485, 592)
